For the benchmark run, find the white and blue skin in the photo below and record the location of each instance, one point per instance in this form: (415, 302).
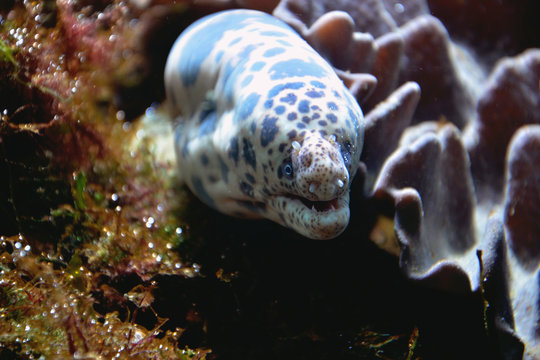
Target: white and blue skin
(264, 127)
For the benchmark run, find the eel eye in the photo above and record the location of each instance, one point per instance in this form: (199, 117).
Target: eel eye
(346, 152)
(286, 169)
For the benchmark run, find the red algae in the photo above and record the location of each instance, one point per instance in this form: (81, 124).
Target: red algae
(47, 311)
(79, 207)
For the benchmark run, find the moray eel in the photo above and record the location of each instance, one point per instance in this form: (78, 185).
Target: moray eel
(264, 127)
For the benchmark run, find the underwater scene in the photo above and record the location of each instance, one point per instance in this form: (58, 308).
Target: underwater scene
(294, 179)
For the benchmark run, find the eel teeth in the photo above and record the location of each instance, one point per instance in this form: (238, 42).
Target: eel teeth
(296, 145)
(340, 183)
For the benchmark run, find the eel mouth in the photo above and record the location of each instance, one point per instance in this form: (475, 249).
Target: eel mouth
(313, 219)
(318, 206)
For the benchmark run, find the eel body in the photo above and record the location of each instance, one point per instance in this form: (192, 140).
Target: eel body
(264, 127)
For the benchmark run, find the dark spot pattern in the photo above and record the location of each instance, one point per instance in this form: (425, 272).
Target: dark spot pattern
(202, 45)
(230, 75)
(296, 67)
(303, 106)
(332, 106)
(332, 118)
(248, 153)
(247, 106)
(273, 52)
(199, 189)
(278, 88)
(279, 109)
(208, 126)
(280, 173)
(219, 56)
(318, 84)
(292, 116)
(284, 43)
(273, 33)
(235, 41)
(354, 119)
(224, 169)
(288, 99)
(247, 80)
(257, 66)
(315, 94)
(246, 189)
(269, 130)
(268, 104)
(234, 150)
(204, 159)
(291, 134)
(247, 51)
(253, 206)
(250, 178)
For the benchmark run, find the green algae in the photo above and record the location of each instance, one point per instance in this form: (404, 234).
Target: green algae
(7, 54)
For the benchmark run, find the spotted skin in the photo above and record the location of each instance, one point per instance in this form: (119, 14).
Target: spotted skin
(264, 126)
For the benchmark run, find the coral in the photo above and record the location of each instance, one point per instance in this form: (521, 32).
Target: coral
(509, 100)
(384, 126)
(433, 193)
(520, 215)
(444, 182)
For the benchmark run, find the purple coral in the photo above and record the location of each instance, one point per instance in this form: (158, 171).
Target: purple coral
(453, 216)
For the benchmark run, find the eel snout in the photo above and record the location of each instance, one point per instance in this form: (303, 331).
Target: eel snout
(321, 174)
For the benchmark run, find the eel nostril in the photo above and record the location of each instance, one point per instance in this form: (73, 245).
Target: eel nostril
(307, 160)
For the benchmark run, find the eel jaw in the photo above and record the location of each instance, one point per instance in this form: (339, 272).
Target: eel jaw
(318, 220)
